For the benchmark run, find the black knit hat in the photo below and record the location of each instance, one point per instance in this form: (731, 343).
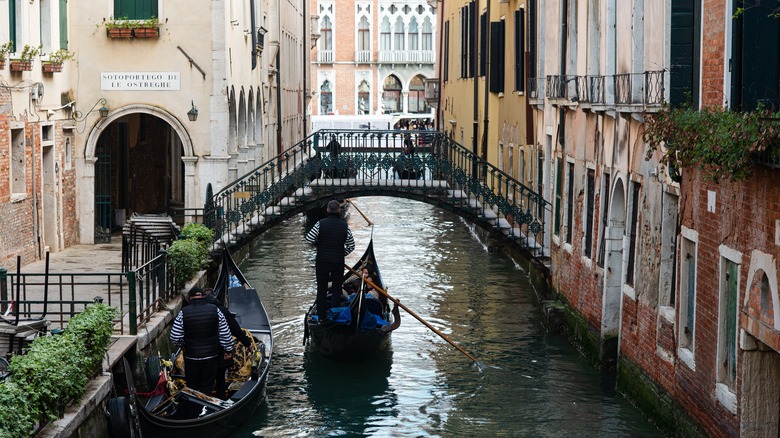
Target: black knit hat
(195, 292)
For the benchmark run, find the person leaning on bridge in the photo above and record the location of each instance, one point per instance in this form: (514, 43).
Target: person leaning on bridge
(201, 328)
(334, 241)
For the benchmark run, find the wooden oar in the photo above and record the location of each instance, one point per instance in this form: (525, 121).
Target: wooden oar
(442, 335)
(361, 213)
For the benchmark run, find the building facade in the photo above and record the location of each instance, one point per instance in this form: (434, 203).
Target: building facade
(373, 57)
(483, 102)
(143, 120)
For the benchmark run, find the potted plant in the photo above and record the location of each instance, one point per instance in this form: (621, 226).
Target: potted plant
(146, 28)
(119, 28)
(56, 58)
(5, 49)
(24, 61)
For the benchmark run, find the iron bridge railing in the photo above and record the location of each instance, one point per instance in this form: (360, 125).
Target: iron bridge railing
(416, 161)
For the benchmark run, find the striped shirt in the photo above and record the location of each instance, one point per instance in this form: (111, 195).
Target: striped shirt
(313, 237)
(225, 338)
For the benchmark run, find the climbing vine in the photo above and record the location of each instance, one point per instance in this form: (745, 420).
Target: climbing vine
(722, 144)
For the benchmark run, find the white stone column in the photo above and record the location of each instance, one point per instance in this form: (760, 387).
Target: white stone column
(191, 188)
(404, 101)
(85, 210)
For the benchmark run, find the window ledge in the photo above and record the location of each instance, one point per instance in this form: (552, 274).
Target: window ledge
(667, 313)
(629, 291)
(726, 397)
(686, 356)
(18, 197)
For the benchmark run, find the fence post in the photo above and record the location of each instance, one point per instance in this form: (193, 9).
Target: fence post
(3, 285)
(132, 303)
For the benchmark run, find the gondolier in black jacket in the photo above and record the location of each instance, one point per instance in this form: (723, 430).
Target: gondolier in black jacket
(202, 329)
(334, 241)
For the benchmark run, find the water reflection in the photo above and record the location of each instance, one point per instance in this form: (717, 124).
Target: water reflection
(529, 385)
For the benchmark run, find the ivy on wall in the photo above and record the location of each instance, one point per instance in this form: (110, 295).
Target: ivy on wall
(722, 144)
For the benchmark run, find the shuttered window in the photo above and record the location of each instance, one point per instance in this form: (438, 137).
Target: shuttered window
(755, 61)
(591, 193)
(558, 189)
(446, 50)
(483, 44)
(685, 47)
(63, 24)
(497, 46)
(135, 9)
(519, 50)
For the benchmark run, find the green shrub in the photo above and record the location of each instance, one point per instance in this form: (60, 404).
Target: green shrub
(54, 370)
(185, 257)
(199, 233)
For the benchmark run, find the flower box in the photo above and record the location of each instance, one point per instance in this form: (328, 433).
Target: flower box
(119, 32)
(51, 67)
(146, 32)
(18, 65)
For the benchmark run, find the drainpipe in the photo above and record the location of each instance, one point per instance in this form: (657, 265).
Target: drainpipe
(279, 147)
(475, 131)
(36, 219)
(440, 54)
(488, 29)
(254, 32)
(305, 65)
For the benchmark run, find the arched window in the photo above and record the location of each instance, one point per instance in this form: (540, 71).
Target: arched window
(364, 35)
(326, 34)
(326, 98)
(364, 98)
(384, 35)
(427, 34)
(398, 35)
(417, 102)
(414, 35)
(391, 95)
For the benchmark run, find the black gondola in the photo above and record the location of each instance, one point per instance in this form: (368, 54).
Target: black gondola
(174, 410)
(361, 327)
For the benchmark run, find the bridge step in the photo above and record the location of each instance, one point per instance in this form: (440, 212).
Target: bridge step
(352, 182)
(302, 193)
(289, 201)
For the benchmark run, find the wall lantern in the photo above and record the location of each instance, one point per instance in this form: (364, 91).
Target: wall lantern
(103, 111)
(192, 114)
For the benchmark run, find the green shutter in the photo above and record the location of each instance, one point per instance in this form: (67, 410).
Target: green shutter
(135, 9)
(558, 188)
(730, 324)
(497, 34)
(760, 64)
(12, 24)
(684, 52)
(63, 24)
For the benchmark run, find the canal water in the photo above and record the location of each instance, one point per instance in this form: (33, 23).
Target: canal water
(526, 383)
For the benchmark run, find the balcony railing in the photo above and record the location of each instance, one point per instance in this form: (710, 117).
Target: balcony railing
(325, 56)
(407, 56)
(654, 87)
(536, 88)
(363, 56)
(590, 89)
(623, 89)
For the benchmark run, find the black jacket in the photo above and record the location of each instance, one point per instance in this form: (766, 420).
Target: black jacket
(332, 237)
(201, 328)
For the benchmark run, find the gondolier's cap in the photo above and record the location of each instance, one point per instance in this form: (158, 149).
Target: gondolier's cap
(196, 292)
(334, 207)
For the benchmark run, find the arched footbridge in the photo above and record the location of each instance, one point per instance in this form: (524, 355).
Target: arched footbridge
(422, 165)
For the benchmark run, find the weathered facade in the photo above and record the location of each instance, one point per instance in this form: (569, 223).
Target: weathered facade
(373, 57)
(483, 103)
(142, 122)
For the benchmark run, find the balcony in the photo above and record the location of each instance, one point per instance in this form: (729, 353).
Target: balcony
(640, 90)
(325, 56)
(432, 92)
(590, 90)
(536, 89)
(362, 56)
(406, 57)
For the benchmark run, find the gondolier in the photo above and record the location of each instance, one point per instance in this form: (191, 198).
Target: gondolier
(201, 328)
(334, 241)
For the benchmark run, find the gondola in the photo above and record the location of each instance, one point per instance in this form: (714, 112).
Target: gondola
(320, 212)
(174, 410)
(361, 327)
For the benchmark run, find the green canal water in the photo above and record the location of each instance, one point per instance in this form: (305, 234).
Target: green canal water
(527, 383)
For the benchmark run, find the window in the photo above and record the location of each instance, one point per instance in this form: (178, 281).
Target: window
(391, 95)
(532, 41)
(519, 49)
(45, 26)
(687, 291)
(68, 154)
(417, 103)
(685, 47)
(727, 323)
(414, 35)
(755, 58)
(446, 43)
(521, 165)
(384, 35)
(427, 34)
(558, 188)
(501, 156)
(364, 35)
(135, 9)
(604, 218)
(589, 212)
(14, 24)
(326, 98)
(633, 225)
(398, 35)
(326, 34)
(467, 61)
(364, 98)
(18, 162)
(569, 201)
(482, 44)
(497, 47)
(668, 273)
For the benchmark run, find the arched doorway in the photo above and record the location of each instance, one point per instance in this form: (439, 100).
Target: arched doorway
(139, 156)
(613, 282)
(391, 95)
(417, 102)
